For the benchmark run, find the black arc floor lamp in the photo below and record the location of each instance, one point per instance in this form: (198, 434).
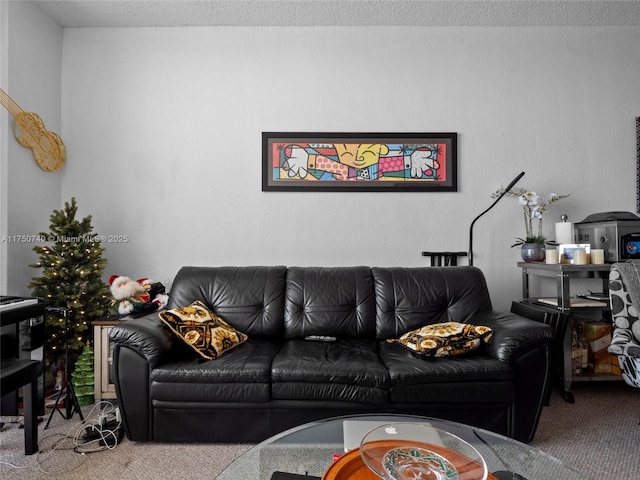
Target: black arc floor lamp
(509, 187)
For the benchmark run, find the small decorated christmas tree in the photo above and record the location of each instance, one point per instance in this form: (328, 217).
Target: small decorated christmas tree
(72, 264)
(83, 379)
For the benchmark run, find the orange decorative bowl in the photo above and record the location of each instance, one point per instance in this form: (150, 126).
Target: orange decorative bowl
(407, 451)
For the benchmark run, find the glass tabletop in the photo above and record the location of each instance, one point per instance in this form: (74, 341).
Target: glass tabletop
(311, 448)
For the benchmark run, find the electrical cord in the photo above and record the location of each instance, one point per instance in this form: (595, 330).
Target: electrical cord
(100, 430)
(106, 434)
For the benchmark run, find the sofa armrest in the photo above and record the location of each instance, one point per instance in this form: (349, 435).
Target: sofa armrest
(513, 335)
(623, 343)
(139, 345)
(146, 336)
(525, 345)
(625, 339)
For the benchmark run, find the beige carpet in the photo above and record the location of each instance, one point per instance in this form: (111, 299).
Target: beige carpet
(598, 434)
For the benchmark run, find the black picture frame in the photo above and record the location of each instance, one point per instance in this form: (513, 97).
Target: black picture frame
(638, 164)
(358, 162)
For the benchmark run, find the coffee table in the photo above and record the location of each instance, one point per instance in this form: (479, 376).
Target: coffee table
(310, 448)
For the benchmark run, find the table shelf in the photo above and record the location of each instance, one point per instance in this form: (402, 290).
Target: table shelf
(568, 305)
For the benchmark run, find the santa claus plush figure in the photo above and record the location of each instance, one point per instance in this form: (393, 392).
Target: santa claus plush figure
(129, 296)
(156, 291)
(137, 297)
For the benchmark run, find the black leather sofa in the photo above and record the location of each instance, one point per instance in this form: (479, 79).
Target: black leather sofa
(277, 379)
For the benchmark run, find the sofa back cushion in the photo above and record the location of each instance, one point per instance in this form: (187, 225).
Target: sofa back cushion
(251, 299)
(330, 301)
(409, 298)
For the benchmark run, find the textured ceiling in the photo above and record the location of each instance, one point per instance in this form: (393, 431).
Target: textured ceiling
(170, 13)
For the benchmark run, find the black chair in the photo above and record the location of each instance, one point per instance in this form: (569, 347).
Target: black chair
(444, 259)
(624, 278)
(18, 373)
(558, 321)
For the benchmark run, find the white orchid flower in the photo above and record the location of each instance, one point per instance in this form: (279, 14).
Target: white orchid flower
(533, 208)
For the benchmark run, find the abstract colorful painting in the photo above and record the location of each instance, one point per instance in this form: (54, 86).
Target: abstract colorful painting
(359, 161)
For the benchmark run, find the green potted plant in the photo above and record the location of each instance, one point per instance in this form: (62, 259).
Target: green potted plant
(533, 207)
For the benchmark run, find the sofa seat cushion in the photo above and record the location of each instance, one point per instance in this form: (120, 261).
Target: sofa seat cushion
(242, 374)
(344, 370)
(472, 378)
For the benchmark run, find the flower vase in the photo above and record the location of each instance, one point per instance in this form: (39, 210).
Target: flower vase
(533, 252)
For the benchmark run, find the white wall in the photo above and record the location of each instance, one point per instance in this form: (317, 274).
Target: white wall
(31, 48)
(163, 133)
(163, 129)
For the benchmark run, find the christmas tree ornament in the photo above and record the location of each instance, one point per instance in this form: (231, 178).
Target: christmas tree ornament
(83, 377)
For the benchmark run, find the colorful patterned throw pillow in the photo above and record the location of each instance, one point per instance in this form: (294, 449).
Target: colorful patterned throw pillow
(444, 339)
(202, 330)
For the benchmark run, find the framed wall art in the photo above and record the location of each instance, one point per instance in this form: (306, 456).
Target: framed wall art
(391, 162)
(638, 164)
